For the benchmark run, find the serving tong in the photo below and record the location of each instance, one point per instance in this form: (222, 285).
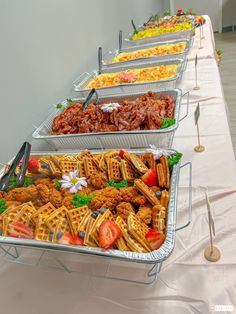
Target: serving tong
(23, 155)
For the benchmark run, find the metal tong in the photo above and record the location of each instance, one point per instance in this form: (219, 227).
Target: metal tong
(23, 154)
(90, 95)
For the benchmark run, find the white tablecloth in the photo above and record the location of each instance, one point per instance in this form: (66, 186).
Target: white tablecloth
(187, 282)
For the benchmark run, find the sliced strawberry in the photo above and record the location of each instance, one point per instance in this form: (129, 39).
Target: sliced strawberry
(33, 165)
(19, 230)
(66, 238)
(150, 177)
(155, 239)
(121, 153)
(108, 233)
(77, 241)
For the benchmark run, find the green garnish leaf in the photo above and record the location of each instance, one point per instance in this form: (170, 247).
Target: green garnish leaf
(58, 184)
(174, 159)
(82, 200)
(59, 106)
(117, 185)
(12, 183)
(167, 122)
(3, 206)
(69, 101)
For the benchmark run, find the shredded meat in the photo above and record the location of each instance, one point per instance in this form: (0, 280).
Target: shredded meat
(145, 112)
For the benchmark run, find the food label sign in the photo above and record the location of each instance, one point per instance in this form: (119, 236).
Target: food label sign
(197, 113)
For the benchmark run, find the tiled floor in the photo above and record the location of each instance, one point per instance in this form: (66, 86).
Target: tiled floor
(227, 43)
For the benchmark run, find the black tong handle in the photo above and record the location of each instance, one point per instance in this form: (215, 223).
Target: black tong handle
(99, 60)
(120, 40)
(90, 95)
(24, 154)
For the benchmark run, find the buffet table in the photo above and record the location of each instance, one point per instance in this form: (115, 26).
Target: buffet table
(187, 283)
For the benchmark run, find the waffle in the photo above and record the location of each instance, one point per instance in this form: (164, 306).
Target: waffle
(124, 209)
(149, 158)
(114, 172)
(54, 166)
(42, 232)
(68, 166)
(75, 217)
(146, 191)
(158, 218)
(160, 175)
(44, 211)
(99, 220)
(164, 162)
(25, 214)
(122, 245)
(100, 162)
(131, 242)
(90, 166)
(57, 215)
(80, 165)
(138, 230)
(137, 164)
(88, 240)
(83, 154)
(165, 196)
(126, 171)
(69, 158)
(111, 154)
(83, 224)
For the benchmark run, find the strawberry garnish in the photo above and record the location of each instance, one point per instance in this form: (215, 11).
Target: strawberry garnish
(121, 153)
(19, 230)
(155, 239)
(150, 177)
(108, 233)
(66, 238)
(33, 165)
(77, 241)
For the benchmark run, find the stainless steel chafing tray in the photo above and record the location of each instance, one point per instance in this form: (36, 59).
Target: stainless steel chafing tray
(81, 82)
(109, 56)
(126, 139)
(185, 34)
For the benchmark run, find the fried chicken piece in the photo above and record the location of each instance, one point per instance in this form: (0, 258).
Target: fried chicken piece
(55, 198)
(124, 209)
(139, 200)
(43, 192)
(23, 195)
(67, 201)
(2, 194)
(145, 214)
(12, 204)
(128, 194)
(46, 181)
(108, 198)
(98, 180)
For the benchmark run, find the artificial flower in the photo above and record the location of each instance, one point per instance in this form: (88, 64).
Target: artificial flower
(157, 152)
(110, 107)
(73, 182)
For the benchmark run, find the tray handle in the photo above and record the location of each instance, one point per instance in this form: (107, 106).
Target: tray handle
(187, 108)
(80, 81)
(189, 164)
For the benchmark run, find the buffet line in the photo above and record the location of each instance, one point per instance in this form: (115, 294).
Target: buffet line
(114, 194)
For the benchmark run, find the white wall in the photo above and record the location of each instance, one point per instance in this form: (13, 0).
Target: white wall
(45, 44)
(229, 12)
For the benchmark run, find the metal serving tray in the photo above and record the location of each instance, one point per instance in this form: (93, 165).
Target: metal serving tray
(186, 34)
(80, 83)
(154, 257)
(109, 56)
(126, 139)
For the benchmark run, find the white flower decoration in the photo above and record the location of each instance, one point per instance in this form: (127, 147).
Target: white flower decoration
(110, 107)
(72, 182)
(157, 152)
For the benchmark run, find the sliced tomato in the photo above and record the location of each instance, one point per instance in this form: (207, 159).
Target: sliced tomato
(155, 240)
(19, 230)
(77, 240)
(66, 238)
(33, 165)
(121, 153)
(108, 233)
(150, 177)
